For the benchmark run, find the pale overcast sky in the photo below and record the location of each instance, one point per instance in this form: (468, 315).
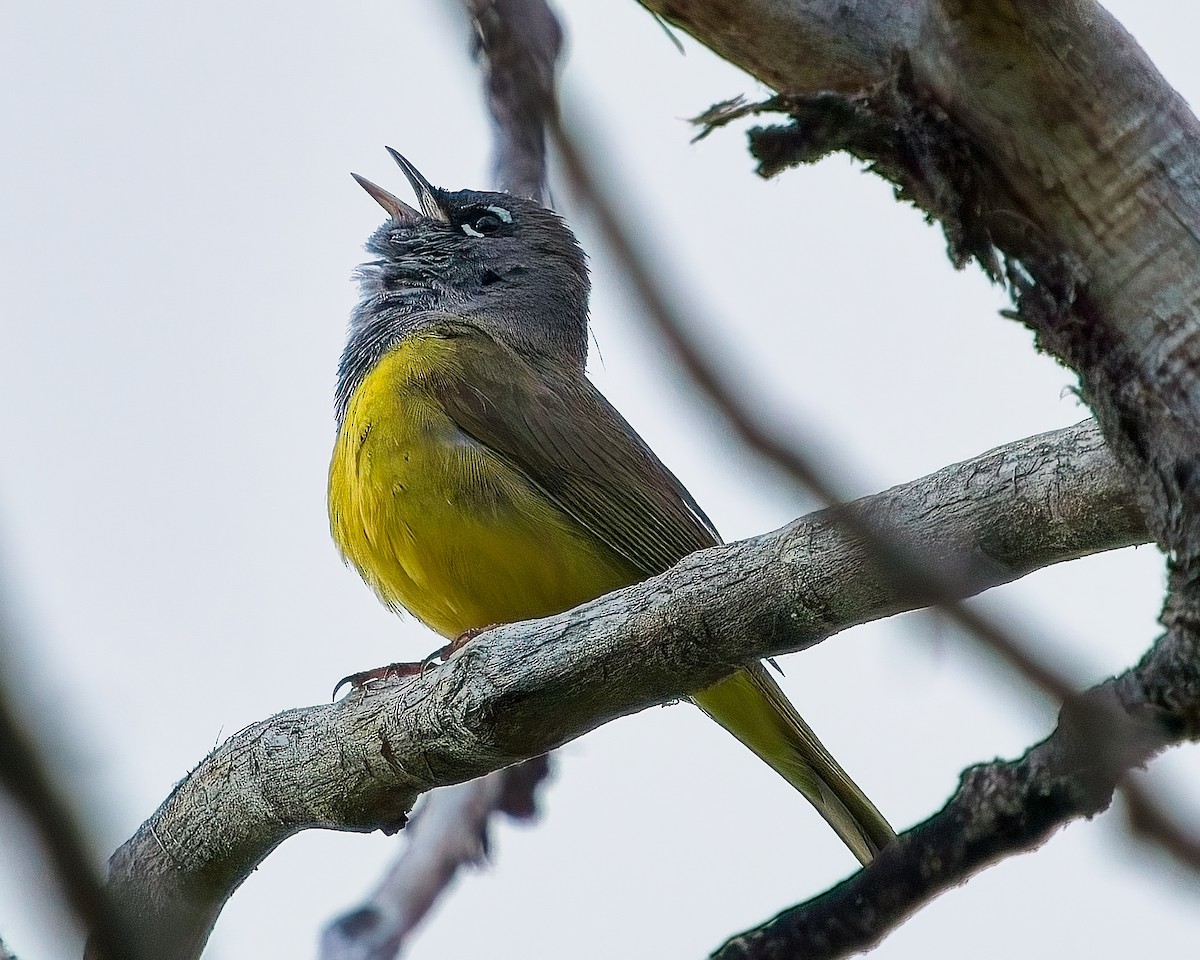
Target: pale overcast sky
(179, 232)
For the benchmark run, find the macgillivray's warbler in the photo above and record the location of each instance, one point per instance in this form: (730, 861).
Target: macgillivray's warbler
(479, 478)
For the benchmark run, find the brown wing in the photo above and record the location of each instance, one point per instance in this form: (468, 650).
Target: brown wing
(560, 432)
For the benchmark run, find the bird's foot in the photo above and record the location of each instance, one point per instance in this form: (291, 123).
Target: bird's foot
(410, 669)
(357, 681)
(463, 639)
(444, 653)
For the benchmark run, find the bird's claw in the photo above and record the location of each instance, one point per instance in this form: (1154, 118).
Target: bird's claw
(410, 669)
(392, 670)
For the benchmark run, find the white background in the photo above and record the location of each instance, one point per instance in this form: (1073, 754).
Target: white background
(179, 229)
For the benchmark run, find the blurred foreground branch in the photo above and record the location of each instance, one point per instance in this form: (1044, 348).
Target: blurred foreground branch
(518, 69)
(28, 781)
(1151, 821)
(523, 689)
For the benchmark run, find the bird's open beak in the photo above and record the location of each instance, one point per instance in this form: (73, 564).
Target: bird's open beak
(397, 209)
(426, 194)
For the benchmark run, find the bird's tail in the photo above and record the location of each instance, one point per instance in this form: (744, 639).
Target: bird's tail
(752, 707)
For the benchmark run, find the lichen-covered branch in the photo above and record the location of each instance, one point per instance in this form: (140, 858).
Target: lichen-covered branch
(523, 689)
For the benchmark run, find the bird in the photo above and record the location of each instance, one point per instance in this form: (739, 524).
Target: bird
(478, 477)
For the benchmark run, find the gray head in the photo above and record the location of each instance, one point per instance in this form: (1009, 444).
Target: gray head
(503, 264)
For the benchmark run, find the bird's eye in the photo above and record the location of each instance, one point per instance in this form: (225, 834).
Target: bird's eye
(488, 222)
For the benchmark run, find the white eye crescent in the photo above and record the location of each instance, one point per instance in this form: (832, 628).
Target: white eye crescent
(491, 220)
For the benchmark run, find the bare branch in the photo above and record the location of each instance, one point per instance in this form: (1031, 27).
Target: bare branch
(523, 689)
(1000, 809)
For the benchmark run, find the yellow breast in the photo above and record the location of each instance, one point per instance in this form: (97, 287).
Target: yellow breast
(438, 524)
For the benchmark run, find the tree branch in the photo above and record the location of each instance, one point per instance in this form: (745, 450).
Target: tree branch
(1077, 176)
(1052, 151)
(523, 689)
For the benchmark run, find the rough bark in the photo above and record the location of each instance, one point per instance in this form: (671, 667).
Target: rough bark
(521, 690)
